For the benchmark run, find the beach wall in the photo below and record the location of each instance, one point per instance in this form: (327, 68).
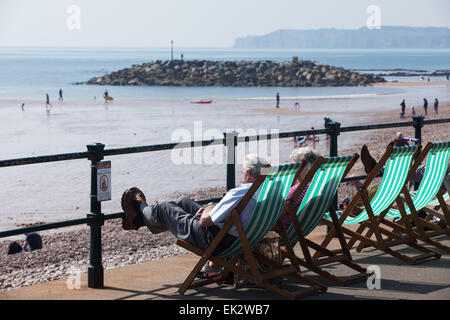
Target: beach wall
(299, 73)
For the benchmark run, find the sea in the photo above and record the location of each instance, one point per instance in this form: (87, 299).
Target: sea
(150, 115)
(33, 72)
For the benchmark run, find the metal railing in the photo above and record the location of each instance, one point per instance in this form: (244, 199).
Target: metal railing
(96, 152)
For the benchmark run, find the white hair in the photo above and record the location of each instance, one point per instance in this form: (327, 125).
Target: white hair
(253, 164)
(306, 154)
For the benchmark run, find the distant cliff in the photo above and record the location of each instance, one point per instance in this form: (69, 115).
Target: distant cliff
(300, 73)
(362, 38)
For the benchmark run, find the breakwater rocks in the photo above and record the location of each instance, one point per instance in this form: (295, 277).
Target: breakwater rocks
(235, 74)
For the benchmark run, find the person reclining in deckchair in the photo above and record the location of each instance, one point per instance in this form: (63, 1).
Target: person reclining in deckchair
(188, 220)
(309, 156)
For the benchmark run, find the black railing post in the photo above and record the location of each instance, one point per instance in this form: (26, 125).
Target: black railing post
(95, 270)
(333, 132)
(230, 141)
(418, 124)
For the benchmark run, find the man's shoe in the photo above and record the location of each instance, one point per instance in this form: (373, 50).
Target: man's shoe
(131, 199)
(367, 160)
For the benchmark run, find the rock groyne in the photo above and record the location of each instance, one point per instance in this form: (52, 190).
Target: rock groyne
(235, 74)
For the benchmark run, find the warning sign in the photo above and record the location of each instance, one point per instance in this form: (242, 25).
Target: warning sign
(104, 181)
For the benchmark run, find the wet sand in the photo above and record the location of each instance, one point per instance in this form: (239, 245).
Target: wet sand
(410, 84)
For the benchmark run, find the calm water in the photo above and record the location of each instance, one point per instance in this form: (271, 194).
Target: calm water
(31, 73)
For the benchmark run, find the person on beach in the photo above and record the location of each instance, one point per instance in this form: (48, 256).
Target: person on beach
(297, 106)
(425, 105)
(188, 220)
(313, 138)
(106, 95)
(33, 242)
(47, 102)
(309, 156)
(23, 107)
(60, 95)
(278, 100)
(413, 111)
(14, 248)
(403, 105)
(401, 141)
(300, 142)
(436, 105)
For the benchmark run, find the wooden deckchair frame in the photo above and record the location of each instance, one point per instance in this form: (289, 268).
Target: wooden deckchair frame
(254, 275)
(306, 244)
(419, 232)
(373, 222)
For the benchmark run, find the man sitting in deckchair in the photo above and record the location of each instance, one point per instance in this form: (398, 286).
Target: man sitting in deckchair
(188, 220)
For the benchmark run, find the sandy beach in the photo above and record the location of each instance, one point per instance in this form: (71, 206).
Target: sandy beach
(66, 251)
(411, 84)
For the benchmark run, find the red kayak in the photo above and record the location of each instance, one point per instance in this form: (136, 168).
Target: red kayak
(202, 101)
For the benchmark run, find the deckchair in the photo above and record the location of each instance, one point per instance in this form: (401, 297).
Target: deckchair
(398, 166)
(274, 187)
(324, 177)
(435, 171)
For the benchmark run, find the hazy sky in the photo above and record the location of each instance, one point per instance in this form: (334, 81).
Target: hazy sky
(193, 23)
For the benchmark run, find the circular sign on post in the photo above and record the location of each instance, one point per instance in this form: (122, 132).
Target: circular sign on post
(104, 181)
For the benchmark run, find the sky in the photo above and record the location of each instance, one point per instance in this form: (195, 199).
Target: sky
(194, 23)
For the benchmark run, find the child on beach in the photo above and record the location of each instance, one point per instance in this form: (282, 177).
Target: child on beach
(47, 102)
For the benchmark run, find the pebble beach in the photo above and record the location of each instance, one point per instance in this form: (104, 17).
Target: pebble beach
(67, 252)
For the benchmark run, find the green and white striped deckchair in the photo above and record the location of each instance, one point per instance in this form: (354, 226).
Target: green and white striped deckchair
(435, 171)
(435, 202)
(398, 165)
(269, 191)
(328, 173)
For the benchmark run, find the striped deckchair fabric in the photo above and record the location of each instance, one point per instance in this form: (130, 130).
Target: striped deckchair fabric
(398, 167)
(320, 194)
(394, 177)
(324, 178)
(270, 201)
(435, 202)
(435, 171)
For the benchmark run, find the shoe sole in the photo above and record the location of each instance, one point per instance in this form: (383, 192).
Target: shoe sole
(128, 208)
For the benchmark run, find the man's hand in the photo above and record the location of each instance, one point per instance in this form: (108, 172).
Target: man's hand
(205, 218)
(199, 212)
(202, 209)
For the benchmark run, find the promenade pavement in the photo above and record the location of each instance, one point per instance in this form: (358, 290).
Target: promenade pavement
(160, 279)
